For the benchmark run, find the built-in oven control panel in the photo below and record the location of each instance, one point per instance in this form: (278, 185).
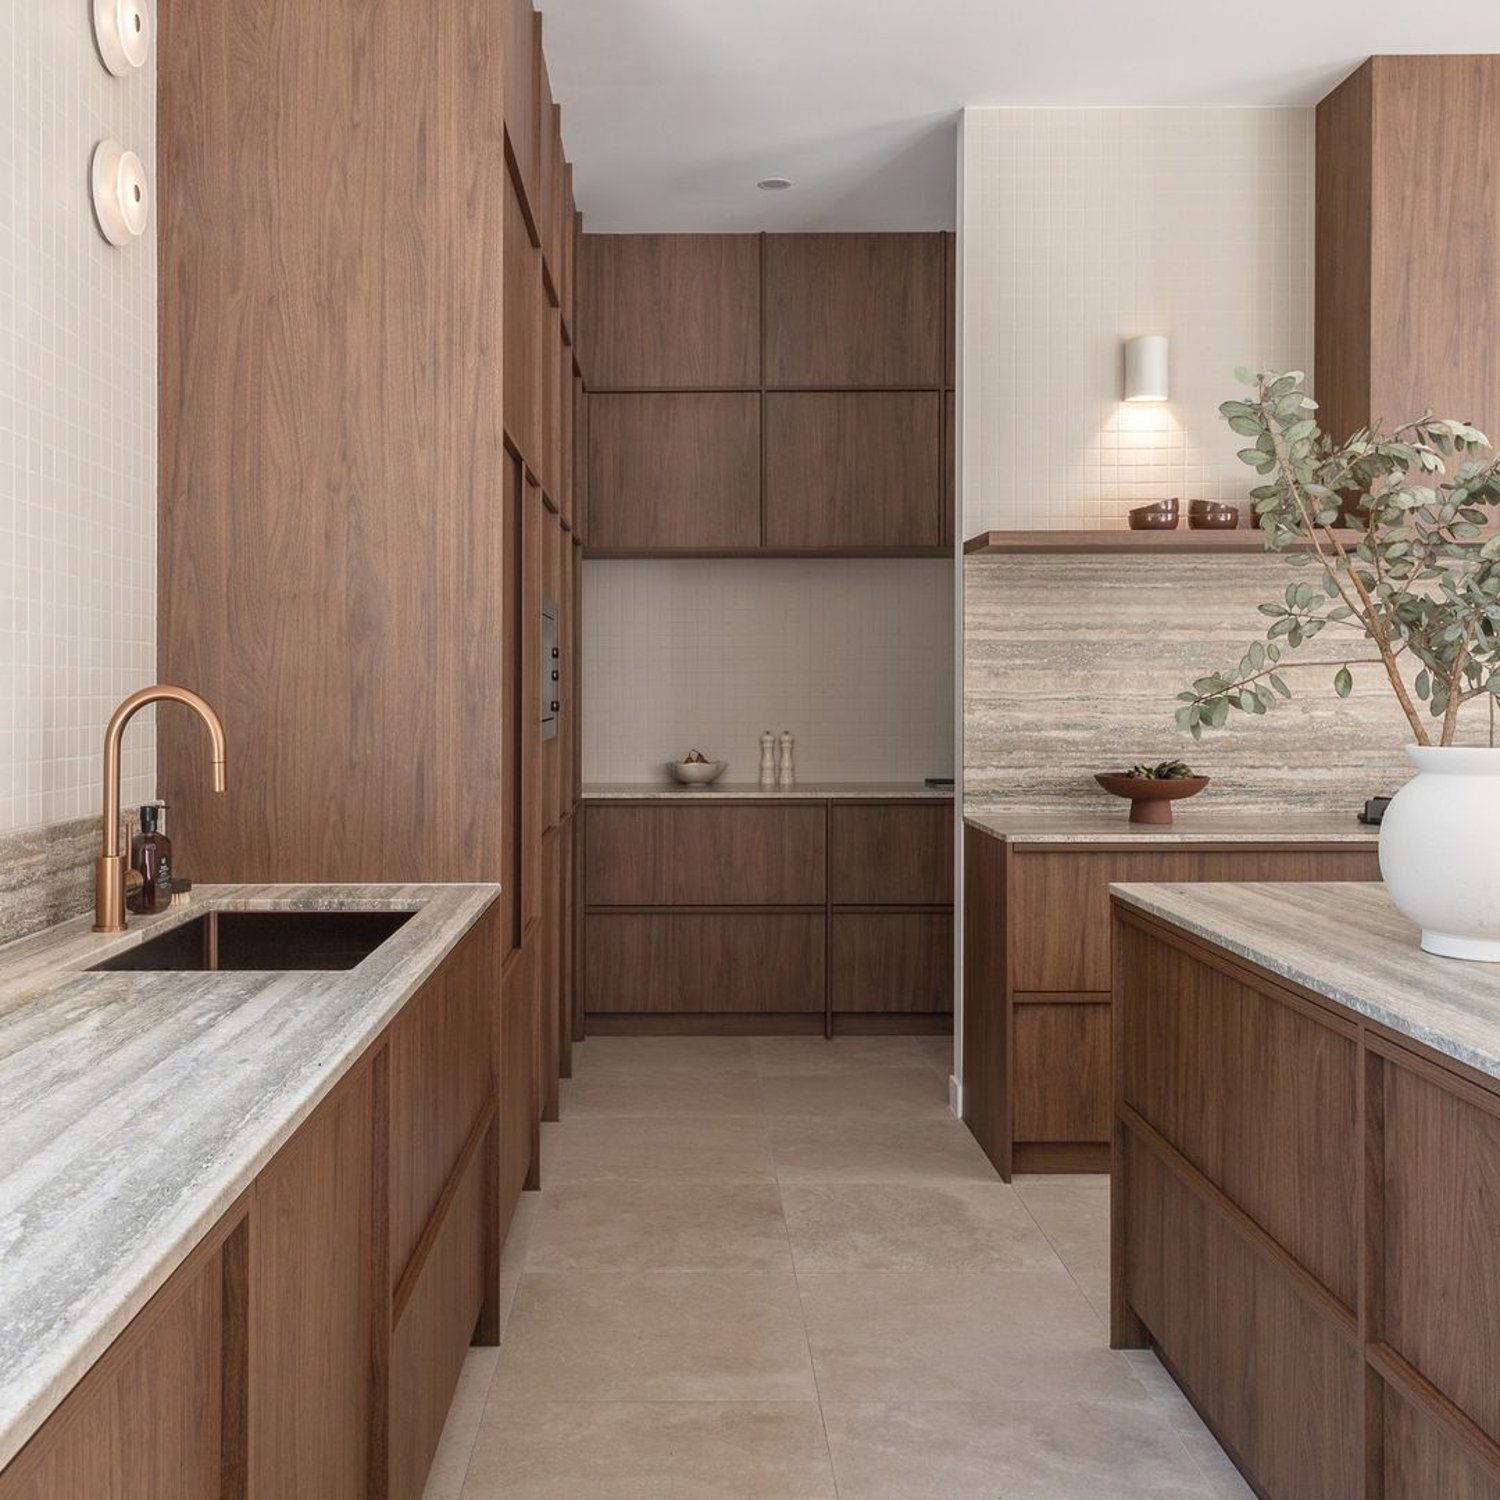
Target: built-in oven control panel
(551, 674)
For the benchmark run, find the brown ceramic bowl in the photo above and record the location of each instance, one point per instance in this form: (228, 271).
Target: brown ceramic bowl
(1207, 515)
(1150, 801)
(1161, 516)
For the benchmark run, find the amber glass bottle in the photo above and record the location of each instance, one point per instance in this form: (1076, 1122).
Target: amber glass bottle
(151, 855)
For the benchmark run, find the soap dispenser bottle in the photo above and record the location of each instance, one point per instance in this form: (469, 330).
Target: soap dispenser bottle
(151, 858)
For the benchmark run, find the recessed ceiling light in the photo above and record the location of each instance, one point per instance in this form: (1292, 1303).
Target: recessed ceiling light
(774, 184)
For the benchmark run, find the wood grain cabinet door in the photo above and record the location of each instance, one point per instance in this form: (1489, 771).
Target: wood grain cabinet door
(854, 310)
(853, 469)
(674, 472)
(890, 854)
(663, 311)
(891, 962)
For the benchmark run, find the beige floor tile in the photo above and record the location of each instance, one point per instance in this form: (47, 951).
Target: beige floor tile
(910, 1092)
(451, 1461)
(737, 1148)
(665, 1451)
(912, 1226)
(954, 1336)
(660, 1226)
(937, 1052)
(773, 1055)
(513, 1252)
(704, 1094)
(1022, 1450)
(1073, 1212)
(658, 1056)
(656, 1336)
(862, 1149)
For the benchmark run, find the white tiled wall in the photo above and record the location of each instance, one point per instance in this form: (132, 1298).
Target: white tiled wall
(1084, 227)
(77, 422)
(853, 656)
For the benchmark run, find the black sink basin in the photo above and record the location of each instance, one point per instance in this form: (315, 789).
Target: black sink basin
(264, 940)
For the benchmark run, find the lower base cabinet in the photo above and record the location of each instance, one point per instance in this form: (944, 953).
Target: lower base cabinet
(310, 1344)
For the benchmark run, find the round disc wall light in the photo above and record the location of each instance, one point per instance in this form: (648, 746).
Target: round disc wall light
(122, 200)
(123, 30)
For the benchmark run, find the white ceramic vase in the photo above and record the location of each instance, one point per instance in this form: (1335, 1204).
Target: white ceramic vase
(1440, 850)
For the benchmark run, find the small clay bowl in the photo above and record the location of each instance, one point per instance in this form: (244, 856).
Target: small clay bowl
(1209, 515)
(1150, 801)
(1162, 516)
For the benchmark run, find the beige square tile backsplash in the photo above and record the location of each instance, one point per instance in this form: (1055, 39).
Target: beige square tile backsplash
(853, 656)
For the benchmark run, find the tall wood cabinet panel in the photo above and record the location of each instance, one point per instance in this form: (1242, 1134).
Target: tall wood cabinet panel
(521, 48)
(1408, 211)
(671, 310)
(850, 469)
(674, 472)
(890, 853)
(523, 331)
(854, 310)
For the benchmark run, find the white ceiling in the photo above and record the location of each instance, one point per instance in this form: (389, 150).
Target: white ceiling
(673, 109)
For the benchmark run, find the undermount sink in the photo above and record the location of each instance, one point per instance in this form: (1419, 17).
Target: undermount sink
(278, 940)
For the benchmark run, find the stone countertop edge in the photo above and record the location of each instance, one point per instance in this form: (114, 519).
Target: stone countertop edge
(741, 791)
(1346, 942)
(1044, 826)
(99, 1204)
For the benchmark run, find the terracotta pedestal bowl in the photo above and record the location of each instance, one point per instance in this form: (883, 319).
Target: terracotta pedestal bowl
(1150, 801)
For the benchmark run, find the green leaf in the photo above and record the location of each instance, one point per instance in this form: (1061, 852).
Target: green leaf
(1279, 683)
(1343, 682)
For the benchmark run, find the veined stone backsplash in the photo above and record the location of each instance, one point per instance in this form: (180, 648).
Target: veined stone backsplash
(1072, 664)
(46, 875)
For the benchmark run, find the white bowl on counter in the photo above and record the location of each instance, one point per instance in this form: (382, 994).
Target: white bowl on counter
(697, 772)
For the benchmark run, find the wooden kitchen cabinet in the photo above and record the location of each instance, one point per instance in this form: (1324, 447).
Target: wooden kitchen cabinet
(891, 963)
(674, 472)
(521, 50)
(664, 311)
(1037, 977)
(852, 310)
(523, 331)
(853, 469)
(890, 853)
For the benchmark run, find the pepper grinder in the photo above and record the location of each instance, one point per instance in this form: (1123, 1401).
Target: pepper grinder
(786, 771)
(767, 760)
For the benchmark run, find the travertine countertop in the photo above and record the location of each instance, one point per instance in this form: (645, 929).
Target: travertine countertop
(730, 791)
(1345, 941)
(1037, 826)
(137, 1106)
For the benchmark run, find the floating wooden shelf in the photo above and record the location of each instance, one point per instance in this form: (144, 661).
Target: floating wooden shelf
(1246, 538)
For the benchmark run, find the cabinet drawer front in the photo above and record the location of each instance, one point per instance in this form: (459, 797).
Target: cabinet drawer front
(690, 963)
(1058, 909)
(1062, 1072)
(711, 855)
(893, 854)
(891, 962)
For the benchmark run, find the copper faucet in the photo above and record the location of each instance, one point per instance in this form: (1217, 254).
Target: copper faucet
(110, 867)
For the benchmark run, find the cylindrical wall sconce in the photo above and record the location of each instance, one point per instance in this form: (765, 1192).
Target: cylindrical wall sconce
(1147, 359)
(123, 30)
(121, 198)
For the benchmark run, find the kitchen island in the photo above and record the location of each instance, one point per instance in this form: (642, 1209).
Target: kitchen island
(251, 1179)
(1306, 1193)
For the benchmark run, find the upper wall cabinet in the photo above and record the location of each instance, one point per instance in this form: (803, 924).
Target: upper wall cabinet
(524, 410)
(853, 469)
(1408, 303)
(854, 310)
(522, 62)
(679, 473)
(671, 311)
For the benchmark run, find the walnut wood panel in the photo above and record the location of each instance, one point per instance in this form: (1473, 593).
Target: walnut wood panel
(144, 1423)
(520, 1102)
(430, 1339)
(890, 853)
(890, 961)
(515, 714)
(549, 978)
(703, 962)
(522, 287)
(671, 310)
(549, 150)
(950, 317)
(1061, 1072)
(521, 48)
(1059, 904)
(987, 1057)
(1258, 1094)
(1342, 310)
(580, 461)
(950, 467)
(1442, 1239)
(566, 439)
(549, 460)
(1419, 1461)
(443, 1053)
(329, 585)
(853, 469)
(854, 310)
(674, 472)
(711, 855)
(1281, 1387)
(313, 1315)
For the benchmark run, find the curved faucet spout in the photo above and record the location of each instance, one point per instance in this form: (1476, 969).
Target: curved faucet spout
(109, 868)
